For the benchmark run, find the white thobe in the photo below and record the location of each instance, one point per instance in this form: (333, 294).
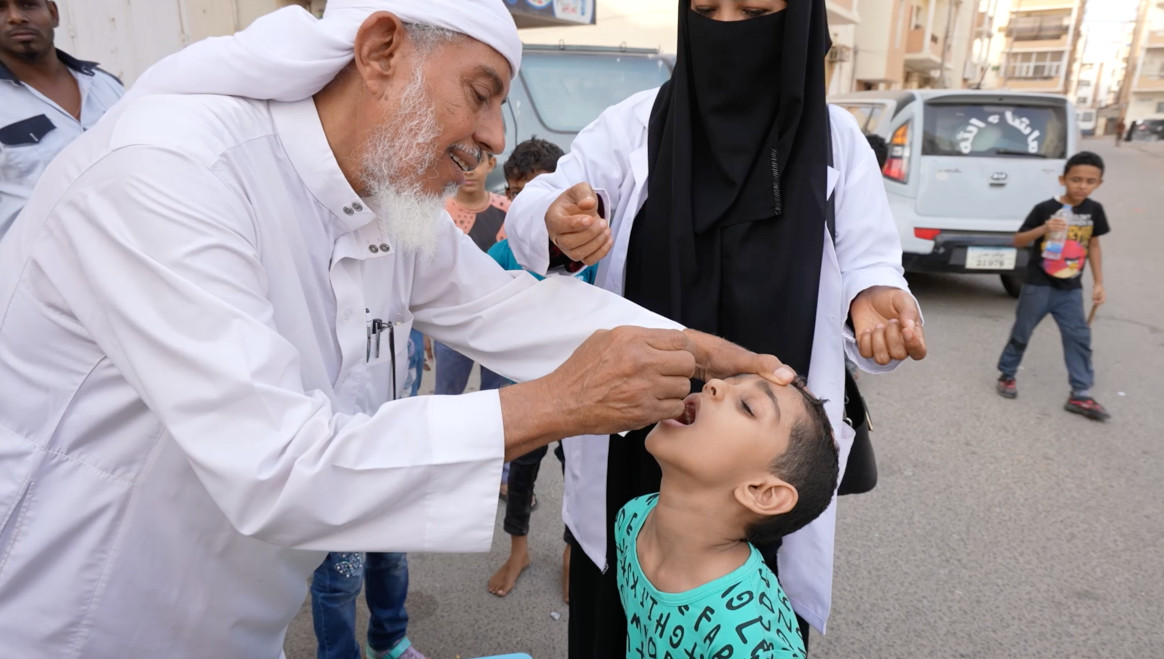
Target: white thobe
(191, 412)
(611, 155)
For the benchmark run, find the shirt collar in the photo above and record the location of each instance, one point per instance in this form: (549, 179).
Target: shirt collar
(78, 65)
(299, 129)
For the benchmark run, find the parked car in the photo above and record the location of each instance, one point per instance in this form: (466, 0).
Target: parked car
(561, 89)
(965, 168)
(1147, 130)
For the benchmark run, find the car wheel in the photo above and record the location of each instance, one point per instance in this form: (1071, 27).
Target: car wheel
(1012, 283)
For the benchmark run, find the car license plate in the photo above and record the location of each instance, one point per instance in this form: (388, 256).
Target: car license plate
(991, 258)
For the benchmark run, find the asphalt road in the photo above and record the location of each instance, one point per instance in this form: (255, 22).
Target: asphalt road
(998, 529)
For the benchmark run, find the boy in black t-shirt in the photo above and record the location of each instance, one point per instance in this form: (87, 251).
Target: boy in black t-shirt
(1054, 285)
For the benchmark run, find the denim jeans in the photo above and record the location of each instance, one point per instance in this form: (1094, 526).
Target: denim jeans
(1066, 307)
(334, 589)
(415, 363)
(452, 372)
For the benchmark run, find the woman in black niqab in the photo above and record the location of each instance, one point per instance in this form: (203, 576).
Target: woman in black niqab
(731, 236)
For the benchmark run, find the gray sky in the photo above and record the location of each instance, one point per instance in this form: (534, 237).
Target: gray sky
(1106, 20)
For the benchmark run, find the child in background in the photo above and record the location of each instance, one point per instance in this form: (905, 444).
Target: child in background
(481, 215)
(748, 462)
(1055, 286)
(477, 211)
(529, 159)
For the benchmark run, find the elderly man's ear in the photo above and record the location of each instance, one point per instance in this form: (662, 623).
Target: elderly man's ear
(378, 50)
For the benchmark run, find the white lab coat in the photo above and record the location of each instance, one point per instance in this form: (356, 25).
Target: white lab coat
(611, 155)
(192, 411)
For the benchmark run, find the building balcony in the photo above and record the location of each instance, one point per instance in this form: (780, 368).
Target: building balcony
(920, 55)
(1149, 82)
(1155, 39)
(1043, 5)
(842, 12)
(1039, 27)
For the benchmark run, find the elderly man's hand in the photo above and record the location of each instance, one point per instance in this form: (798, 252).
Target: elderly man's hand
(887, 324)
(576, 227)
(625, 378)
(622, 379)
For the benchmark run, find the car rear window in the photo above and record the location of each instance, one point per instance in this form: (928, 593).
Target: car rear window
(570, 90)
(866, 115)
(1036, 131)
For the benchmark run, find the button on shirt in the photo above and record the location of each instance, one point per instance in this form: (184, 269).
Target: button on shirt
(34, 129)
(196, 407)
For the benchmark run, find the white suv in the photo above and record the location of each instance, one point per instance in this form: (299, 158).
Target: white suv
(965, 168)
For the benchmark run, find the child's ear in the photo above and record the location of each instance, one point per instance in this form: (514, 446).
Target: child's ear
(1063, 181)
(767, 496)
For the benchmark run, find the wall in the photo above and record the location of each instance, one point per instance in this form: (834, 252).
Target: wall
(127, 36)
(880, 41)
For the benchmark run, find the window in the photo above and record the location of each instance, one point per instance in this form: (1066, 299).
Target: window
(570, 89)
(867, 116)
(1084, 84)
(967, 130)
(1160, 107)
(1082, 100)
(919, 17)
(1037, 28)
(1035, 64)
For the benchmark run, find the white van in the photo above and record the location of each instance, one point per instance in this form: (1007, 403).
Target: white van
(965, 168)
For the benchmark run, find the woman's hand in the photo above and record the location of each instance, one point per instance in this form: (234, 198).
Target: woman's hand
(576, 227)
(887, 324)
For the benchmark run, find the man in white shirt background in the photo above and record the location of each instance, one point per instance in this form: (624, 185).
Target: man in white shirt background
(47, 99)
(204, 309)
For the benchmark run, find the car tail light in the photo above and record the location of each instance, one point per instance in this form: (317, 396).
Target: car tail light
(897, 164)
(926, 234)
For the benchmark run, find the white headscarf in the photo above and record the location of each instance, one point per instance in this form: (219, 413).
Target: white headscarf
(289, 55)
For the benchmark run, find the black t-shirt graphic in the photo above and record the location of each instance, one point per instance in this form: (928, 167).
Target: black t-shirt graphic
(1088, 221)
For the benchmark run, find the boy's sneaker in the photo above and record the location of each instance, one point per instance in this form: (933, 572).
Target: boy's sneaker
(1087, 406)
(1006, 387)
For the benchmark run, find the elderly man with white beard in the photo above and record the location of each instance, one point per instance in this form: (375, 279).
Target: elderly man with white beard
(203, 314)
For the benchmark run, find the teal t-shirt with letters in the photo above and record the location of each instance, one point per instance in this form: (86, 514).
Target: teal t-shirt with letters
(741, 614)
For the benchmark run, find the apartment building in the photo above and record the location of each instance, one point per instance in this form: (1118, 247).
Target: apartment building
(915, 44)
(1146, 74)
(844, 17)
(1042, 39)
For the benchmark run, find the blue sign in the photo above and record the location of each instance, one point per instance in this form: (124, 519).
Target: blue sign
(537, 13)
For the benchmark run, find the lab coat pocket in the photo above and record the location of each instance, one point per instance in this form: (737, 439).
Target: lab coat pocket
(388, 354)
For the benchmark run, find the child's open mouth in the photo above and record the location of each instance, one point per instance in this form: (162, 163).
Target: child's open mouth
(690, 410)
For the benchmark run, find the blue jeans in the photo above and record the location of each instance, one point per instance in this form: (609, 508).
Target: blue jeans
(415, 363)
(1066, 307)
(334, 588)
(452, 372)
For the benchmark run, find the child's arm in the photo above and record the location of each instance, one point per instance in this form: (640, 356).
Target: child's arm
(1024, 238)
(1095, 255)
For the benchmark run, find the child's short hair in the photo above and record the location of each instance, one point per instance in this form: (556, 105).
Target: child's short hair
(810, 464)
(532, 156)
(1083, 158)
(880, 148)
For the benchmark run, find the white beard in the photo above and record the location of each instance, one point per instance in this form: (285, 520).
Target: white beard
(397, 150)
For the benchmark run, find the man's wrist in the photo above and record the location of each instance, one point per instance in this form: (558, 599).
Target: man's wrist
(534, 415)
